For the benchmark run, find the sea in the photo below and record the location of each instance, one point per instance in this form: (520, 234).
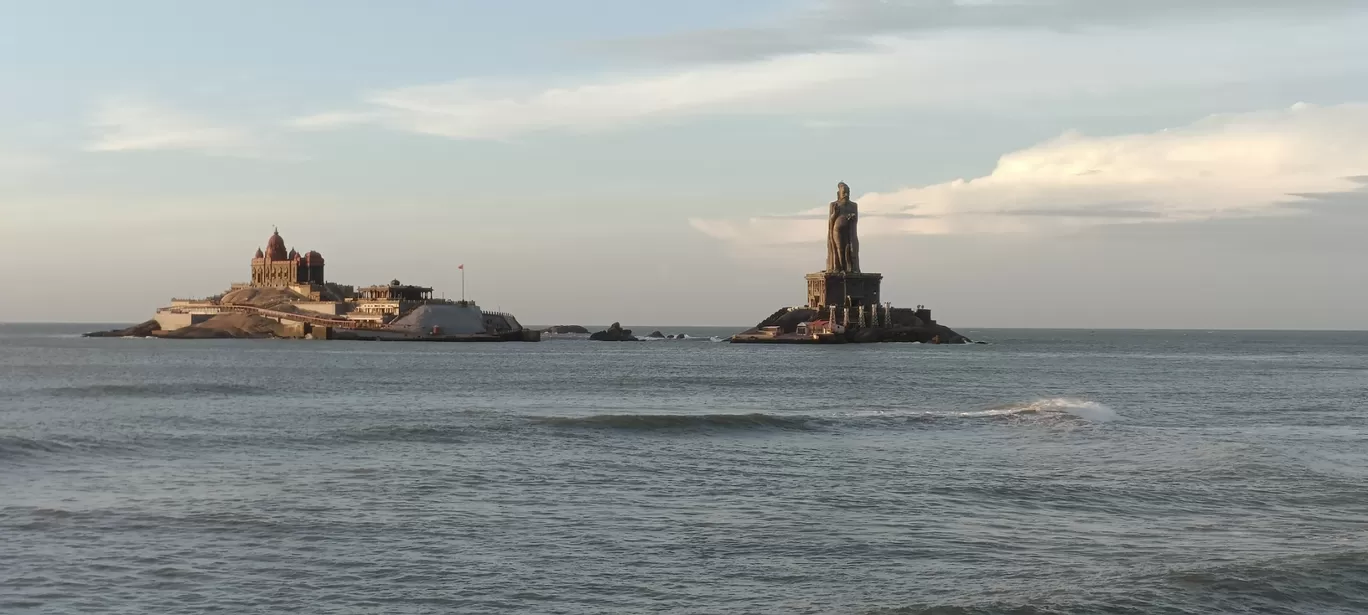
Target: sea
(1042, 472)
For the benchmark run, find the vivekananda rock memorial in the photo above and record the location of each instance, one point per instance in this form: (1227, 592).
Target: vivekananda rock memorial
(288, 296)
(843, 303)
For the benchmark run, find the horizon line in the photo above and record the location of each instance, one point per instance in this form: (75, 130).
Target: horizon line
(743, 327)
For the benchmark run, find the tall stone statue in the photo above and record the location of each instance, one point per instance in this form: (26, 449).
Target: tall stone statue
(843, 243)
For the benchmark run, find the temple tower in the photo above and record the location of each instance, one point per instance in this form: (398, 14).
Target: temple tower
(279, 267)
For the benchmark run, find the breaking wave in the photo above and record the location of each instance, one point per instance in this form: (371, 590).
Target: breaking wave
(1048, 408)
(684, 338)
(1333, 582)
(681, 421)
(397, 433)
(154, 390)
(14, 446)
(17, 447)
(995, 608)
(21, 449)
(1086, 410)
(1323, 582)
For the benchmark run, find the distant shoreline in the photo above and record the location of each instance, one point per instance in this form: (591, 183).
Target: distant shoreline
(117, 324)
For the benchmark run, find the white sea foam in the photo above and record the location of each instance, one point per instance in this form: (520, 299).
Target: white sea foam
(1087, 410)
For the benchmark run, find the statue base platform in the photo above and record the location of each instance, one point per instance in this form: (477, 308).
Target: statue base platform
(806, 325)
(830, 288)
(845, 308)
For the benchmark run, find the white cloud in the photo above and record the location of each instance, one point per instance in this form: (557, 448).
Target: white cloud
(479, 109)
(1222, 166)
(124, 125)
(323, 121)
(826, 25)
(1005, 72)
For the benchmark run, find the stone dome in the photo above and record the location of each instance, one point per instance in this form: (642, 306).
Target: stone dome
(313, 258)
(293, 255)
(259, 254)
(275, 248)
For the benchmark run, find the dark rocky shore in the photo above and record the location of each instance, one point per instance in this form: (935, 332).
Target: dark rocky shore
(614, 333)
(566, 330)
(782, 328)
(222, 326)
(145, 329)
(225, 325)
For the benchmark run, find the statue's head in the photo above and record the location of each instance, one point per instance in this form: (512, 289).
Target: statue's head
(842, 192)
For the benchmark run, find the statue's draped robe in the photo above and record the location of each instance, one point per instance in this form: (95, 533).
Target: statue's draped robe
(843, 242)
(833, 243)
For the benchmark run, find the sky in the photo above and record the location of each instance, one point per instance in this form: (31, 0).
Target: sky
(1018, 163)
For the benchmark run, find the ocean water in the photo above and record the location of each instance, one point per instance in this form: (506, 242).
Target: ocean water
(1045, 472)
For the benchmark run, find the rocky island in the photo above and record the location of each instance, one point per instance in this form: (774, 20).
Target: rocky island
(843, 303)
(614, 333)
(566, 330)
(288, 297)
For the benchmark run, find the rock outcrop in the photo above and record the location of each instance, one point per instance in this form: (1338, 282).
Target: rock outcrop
(141, 330)
(566, 330)
(278, 299)
(614, 333)
(906, 327)
(657, 335)
(927, 334)
(228, 326)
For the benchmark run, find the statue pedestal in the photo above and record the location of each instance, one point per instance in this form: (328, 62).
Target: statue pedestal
(833, 288)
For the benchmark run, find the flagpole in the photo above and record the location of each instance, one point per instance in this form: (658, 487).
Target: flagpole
(463, 283)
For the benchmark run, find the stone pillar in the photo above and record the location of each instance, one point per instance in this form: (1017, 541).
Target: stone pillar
(860, 316)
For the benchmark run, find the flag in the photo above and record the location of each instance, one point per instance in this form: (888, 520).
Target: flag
(461, 267)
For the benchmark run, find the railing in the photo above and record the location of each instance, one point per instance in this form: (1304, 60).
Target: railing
(313, 319)
(509, 320)
(327, 321)
(192, 309)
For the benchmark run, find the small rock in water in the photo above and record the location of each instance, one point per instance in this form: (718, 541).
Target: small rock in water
(564, 329)
(614, 333)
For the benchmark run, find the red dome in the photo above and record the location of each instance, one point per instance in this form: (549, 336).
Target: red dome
(293, 255)
(259, 254)
(275, 248)
(313, 258)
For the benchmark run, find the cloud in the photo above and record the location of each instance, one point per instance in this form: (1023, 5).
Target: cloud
(1010, 73)
(325, 121)
(480, 109)
(1223, 166)
(124, 125)
(846, 25)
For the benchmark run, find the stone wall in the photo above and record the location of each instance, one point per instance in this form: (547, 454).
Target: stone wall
(331, 308)
(826, 289)
(170, 321)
